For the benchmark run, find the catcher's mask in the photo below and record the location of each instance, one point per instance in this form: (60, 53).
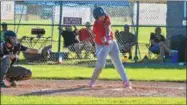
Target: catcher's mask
(10, 37)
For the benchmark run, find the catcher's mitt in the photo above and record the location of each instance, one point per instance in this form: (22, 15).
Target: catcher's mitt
(18, 73)
(45, 53)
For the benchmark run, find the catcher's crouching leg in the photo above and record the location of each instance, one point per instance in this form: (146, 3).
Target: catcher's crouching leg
(18, 73)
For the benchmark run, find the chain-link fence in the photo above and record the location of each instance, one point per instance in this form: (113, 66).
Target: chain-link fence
(65, 38)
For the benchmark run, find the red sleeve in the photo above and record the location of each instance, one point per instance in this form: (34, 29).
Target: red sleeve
(107, 20)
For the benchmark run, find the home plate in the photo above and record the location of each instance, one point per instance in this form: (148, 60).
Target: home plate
(118, 89)
(47, 89)
(42, 90)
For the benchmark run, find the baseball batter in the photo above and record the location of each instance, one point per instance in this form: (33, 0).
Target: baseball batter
(106, 45)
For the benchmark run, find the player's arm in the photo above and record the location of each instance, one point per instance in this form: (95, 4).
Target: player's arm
(35, 51)
(3, 55)
(107, 27)
(29, 50)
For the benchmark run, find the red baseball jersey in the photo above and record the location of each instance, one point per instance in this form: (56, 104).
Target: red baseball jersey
(100, 30)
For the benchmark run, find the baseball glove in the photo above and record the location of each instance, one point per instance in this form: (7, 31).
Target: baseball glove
(18, 73)
(45, 53)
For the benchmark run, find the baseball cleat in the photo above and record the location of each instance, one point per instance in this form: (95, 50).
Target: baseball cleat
(92, 84)
(127, 84)
(5, 84)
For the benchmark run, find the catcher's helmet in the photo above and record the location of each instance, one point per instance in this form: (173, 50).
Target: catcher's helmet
(98, 11)
(10, 37)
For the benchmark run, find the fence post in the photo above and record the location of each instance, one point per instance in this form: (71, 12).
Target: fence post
(52, 21)
(0, 21)
(137, 29)
(185, 17)
(14, 16)
(60, 30)
(185, 9)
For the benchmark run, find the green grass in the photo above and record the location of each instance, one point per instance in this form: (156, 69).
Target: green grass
(75, 72)
(88, 100)
(144, 32)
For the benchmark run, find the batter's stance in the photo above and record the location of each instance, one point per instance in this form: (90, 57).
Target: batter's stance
(106, 45)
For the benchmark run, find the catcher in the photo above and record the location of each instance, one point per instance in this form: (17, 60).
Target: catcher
(9, 51)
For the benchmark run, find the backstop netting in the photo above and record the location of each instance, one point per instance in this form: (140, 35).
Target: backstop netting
(25, 16)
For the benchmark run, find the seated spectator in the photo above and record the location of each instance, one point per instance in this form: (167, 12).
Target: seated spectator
(159, 45)
(4, 29)
(86, 36)
(126, 40)
(71, 41)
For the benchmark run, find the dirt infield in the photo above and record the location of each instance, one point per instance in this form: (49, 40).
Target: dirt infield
(102, 89)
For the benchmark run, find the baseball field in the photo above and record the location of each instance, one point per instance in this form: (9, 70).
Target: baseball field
(60, 84)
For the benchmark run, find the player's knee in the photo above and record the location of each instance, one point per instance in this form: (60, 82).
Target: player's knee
(101, 65)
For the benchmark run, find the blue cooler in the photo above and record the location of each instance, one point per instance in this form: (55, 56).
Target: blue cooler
(173, 58)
